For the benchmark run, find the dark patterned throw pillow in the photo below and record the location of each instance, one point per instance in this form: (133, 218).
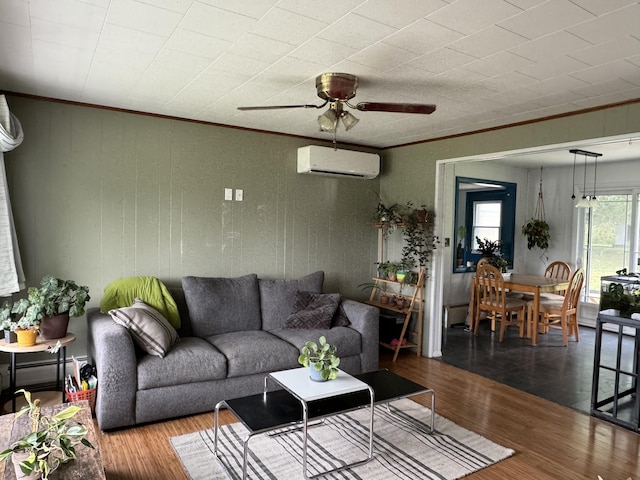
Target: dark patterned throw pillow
(313, 310)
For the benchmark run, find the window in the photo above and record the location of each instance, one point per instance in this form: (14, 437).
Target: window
(609, 239)
(484, 209)
(486, 221)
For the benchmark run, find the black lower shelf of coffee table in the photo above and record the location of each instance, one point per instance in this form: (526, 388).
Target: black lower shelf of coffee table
(275, 409)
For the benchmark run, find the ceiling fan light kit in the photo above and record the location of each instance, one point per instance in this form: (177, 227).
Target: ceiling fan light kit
(328, 121)
(336, 89)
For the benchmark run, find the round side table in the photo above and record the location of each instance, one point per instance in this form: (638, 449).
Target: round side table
(40, 346)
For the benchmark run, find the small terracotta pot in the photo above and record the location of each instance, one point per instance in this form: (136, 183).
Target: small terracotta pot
(384, 299)
(27, 338)
(54, 327)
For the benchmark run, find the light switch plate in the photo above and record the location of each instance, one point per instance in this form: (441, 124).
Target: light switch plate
(228, 193)
(239, 195)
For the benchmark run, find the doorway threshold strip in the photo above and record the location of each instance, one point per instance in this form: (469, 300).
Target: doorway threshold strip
(403, 448)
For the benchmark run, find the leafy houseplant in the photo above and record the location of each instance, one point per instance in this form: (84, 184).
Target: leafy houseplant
(419, 238)
(55, 301)
(392, 269)
(321, 357)
(387, 217)
(537, 229)
(492, 251)
(51, 442)
(56, 296)
(537, 233)
(384, 298)
(21, 318)
(8, 323)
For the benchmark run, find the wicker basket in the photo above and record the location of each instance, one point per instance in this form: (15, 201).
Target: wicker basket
(84, 395)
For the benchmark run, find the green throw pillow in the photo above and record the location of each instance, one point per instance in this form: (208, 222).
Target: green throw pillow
(150, 290)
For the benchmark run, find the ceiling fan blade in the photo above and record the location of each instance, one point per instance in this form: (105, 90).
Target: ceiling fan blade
(275, 107)
(396, 107)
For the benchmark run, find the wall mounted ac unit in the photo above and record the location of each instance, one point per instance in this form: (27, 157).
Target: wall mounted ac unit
(338, 163)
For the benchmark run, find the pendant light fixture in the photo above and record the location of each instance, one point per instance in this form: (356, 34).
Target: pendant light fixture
(586, 201)
(573, 182)
(594, 201)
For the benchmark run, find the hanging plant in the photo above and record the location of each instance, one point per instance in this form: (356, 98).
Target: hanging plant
(538, 233)
(419, 238)
(537, 230)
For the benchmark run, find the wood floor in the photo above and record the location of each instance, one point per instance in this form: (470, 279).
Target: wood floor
(551, 441)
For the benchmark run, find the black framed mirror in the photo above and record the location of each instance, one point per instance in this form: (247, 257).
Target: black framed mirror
(484, 209)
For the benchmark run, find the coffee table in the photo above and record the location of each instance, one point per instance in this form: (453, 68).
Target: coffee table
(88, 465)
(301, 401)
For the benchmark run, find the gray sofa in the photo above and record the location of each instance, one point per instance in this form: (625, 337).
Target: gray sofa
(232, 333)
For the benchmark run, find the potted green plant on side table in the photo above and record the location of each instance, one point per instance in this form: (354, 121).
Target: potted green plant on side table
(50, 443)
(56, 300)
(321, 359)
(26, 321)
(8, 323)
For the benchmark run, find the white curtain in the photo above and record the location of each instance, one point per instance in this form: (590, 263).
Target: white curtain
(11, 275)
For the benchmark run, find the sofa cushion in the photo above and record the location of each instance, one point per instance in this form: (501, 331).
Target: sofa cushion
(347, 340)
(254, 351)
(190, 361)
(313, 310)
(222, 305)
(340, 319)
(148, 327)
(277, 296)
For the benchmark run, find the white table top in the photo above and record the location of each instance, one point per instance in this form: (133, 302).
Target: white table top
(298, 382)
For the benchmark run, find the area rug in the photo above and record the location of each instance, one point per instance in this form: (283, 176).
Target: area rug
(403, 448)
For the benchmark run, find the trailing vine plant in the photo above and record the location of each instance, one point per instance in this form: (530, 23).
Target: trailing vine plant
(419, 239)
(537, 229)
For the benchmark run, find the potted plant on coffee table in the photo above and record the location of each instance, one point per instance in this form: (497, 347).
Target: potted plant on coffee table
(321, 359)
(50, 443)
(56, 301)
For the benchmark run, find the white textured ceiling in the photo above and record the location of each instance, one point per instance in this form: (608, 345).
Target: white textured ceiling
(485, 63)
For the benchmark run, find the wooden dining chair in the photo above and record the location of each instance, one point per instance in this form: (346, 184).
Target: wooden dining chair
(475, 296)
(492, 298)
(557, 269)
(561, 314)
(481, 262)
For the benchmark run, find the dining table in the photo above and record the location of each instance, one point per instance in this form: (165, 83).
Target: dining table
(524, 283)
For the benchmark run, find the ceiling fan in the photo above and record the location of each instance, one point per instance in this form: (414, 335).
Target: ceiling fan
(336, 89)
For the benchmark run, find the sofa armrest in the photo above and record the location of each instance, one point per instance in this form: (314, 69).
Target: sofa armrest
(365, 319)
(112, 351)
